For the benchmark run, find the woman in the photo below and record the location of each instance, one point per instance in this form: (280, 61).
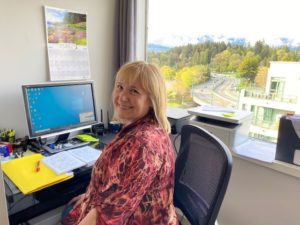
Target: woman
(132, 181)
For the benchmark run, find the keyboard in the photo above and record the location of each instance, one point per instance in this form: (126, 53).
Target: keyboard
(72, 143)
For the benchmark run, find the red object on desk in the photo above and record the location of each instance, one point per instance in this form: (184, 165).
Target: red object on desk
(38, 168)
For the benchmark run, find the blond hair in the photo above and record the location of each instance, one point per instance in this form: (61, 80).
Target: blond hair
(153, 83)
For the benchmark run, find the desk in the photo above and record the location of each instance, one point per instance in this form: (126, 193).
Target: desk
(49, 198)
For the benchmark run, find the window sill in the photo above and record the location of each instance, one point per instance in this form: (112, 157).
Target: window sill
(263, 154)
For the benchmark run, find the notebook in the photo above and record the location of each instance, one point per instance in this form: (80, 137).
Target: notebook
(24, 174)
(70, 160)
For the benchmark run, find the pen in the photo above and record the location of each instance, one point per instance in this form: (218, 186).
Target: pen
(37, 168)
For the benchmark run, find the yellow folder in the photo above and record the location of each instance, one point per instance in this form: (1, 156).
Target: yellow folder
(24, 174)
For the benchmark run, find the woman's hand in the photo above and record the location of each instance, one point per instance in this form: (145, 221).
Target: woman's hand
(76, 200)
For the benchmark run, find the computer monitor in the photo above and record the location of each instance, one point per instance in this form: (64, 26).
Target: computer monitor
(58, 108)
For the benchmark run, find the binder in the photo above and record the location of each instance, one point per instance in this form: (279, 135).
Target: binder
(24, 174)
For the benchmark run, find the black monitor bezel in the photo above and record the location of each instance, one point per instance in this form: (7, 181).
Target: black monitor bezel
(57, 131)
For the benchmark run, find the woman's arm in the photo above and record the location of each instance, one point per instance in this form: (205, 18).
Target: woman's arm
(90, 218)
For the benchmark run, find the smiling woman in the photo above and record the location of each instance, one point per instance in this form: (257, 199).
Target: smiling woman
(133, 180)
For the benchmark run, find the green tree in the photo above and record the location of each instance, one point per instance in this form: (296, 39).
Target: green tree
(234, 62)
(283, 54)
(204, 57)
(221, 61)
(195, 58)
(248, 67)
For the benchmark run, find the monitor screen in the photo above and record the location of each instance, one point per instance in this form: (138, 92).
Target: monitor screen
(59, 107)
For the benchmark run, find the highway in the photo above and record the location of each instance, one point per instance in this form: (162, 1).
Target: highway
(219, 90)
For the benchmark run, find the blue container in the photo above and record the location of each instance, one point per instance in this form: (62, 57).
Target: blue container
(4, 151)
(115, 126)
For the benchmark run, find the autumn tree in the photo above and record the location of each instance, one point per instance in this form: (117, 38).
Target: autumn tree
(168, 72)
(190, 76)
(248, 67)
(261, 77)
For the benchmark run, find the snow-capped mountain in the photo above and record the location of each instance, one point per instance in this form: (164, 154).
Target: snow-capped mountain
(164, 43)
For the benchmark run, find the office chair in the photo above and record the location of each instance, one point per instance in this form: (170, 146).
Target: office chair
(202, 172)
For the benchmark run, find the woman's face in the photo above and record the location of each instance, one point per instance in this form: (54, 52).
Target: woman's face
(130, 101)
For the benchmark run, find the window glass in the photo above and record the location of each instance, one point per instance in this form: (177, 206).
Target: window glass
(237, 54)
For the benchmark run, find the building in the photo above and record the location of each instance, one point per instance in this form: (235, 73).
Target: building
(280, 96)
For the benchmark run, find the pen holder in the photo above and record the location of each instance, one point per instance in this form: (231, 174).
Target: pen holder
(8, 135)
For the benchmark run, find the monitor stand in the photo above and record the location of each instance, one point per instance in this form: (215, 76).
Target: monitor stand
(62, 138)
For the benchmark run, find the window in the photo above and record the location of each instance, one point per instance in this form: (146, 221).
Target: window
(277, 87)
(243, 55)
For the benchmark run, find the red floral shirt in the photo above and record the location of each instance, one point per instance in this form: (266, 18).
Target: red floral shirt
(132, 181)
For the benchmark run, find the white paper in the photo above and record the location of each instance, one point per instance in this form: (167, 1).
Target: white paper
(86, 154)
(256, 149)
(62, 162)
(213, 108)
(67, 161)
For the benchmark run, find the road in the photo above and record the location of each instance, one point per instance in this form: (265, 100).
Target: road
(219, 90)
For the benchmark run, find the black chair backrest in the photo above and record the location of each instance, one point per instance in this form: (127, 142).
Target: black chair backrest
(202, 172)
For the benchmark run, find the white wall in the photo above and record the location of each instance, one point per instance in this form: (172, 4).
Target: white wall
(23, 55)
(260, 196)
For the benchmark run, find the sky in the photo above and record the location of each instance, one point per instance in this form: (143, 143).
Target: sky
(253, 19)
(55, 15)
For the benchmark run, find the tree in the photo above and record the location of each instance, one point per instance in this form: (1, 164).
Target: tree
(195, 58)
(168, 72)
(234, 62)
(221, 61)
(261, 77)
(204, 57)
(283, 54)
(248, 67)
(190, 76)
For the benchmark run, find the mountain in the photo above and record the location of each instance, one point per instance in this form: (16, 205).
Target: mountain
(157, 48)
(164, 43)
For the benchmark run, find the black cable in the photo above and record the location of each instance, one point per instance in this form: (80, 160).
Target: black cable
(41, 141)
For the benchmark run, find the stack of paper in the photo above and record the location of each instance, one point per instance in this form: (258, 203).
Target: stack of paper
(86, 154)
(67, 161)
(24, 174)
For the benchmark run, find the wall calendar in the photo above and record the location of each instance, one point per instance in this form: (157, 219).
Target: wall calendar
(68, 54)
